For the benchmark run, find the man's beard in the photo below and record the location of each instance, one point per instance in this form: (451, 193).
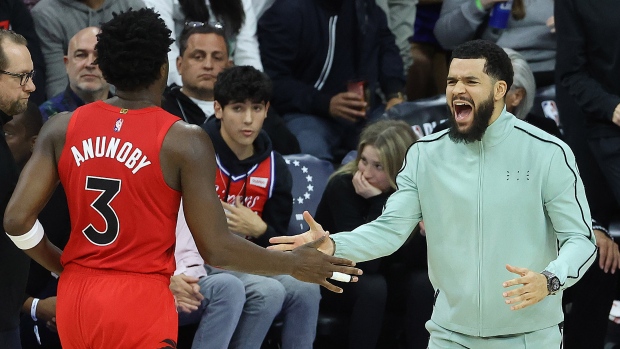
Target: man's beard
(14, 107)
(478, 126)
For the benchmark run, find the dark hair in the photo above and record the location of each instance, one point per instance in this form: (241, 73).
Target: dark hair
(32, 119)
(242, 83)
(132, 47)
(229, 11)
(12, 37)
(205, 29)
(498, 65)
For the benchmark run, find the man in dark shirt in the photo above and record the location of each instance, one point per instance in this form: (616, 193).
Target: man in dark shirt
(588, 98)
(16, 70)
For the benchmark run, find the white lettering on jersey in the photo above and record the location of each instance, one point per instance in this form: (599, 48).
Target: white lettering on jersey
(133, 160)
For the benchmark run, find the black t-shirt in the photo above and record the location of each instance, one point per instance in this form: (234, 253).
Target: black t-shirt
(15, 263)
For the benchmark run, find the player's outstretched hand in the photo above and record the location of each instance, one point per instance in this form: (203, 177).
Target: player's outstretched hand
(534, 288)
(314, 266)
(288, 243)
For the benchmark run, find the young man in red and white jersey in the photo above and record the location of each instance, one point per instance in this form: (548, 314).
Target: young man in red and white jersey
(254, 184)
(124, 164)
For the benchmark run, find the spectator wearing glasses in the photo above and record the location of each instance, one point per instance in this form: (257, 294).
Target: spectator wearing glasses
(86, 83)
(114, 282)
(16, 85)
(235, 17)
(57, 21)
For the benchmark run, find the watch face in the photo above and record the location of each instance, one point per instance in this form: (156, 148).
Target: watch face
(555, 284)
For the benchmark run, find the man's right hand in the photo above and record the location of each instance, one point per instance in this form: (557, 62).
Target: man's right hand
(186, 292)
(288, 243)
(316, 267)
(348, 106)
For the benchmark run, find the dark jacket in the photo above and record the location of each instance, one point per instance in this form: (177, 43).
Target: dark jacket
(278, 209)
(588, 89)
(295, 38)
(14, 15)
(177, 103)
(588, 64)
(15, 263)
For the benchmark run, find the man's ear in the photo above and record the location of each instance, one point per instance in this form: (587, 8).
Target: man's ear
(516, 97)
(163, 71)
(66, 60)
(179, 62)
(267, 105)
(230, 63)
(33, 140)
(219, 111)
(501, 88)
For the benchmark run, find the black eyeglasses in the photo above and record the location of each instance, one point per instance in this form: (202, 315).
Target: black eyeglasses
(23, 77)
(193, 24)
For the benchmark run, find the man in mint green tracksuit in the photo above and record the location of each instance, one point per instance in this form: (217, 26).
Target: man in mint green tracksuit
(498, 197)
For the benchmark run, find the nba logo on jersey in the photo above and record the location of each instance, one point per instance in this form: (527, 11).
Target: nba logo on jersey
(118, 125)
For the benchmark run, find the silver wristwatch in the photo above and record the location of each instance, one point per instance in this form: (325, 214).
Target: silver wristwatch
(553, 283)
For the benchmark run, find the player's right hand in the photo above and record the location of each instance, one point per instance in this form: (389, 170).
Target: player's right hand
(316, 267)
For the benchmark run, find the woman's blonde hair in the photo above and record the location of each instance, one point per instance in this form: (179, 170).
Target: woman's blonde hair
(391, 138)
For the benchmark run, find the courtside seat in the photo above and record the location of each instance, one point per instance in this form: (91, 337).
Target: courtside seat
(544, 105)
(310, 176)
(423, 115)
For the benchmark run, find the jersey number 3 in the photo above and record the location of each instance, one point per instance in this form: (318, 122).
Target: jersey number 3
(109, 188)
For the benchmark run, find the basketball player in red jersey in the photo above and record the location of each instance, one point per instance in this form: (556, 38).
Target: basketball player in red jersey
(125, 163)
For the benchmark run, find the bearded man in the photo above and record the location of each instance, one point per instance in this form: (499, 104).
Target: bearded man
(498, 197)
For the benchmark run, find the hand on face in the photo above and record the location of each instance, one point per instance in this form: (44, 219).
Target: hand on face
(243, 220)
(363, 188)
(534, 288)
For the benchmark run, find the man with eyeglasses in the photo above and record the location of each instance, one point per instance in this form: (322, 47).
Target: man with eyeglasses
(16, 71)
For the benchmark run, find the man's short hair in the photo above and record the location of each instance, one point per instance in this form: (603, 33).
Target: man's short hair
(497, 65)
(132, 48)
(240, 84)
(9, 35)
(203, 29)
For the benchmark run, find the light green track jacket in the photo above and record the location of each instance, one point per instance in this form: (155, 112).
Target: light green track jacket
(513, 198)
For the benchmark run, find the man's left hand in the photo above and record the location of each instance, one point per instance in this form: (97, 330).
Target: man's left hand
(609, 255)
(243, 220)
(534, 288)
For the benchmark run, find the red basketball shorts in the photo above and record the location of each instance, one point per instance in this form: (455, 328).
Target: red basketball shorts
(100, 309)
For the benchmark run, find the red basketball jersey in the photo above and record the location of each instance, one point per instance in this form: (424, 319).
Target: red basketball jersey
(254, 187)
(123, 214)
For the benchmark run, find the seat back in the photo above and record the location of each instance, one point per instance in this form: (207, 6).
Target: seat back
(544, 105)
(423, 115)
(310, 176)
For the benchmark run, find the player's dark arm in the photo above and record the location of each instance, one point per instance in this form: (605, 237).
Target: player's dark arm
(188, 152)
(36, 185)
